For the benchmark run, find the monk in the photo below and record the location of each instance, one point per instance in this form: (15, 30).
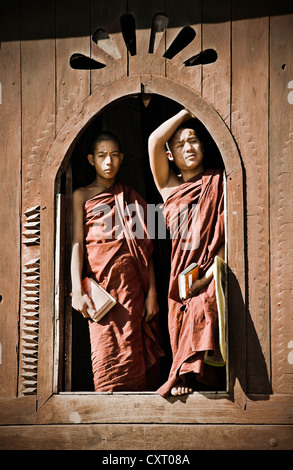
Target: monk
(193, 195)
(124, 347)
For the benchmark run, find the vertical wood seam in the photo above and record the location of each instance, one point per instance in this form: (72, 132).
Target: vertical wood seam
(269, 192)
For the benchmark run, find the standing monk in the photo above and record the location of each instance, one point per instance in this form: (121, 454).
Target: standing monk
(105, 248)
(193, 323)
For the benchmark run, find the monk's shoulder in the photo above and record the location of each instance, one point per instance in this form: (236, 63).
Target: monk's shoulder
(81, 195)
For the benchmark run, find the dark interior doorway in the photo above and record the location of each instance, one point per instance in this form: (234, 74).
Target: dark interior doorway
(132, 120)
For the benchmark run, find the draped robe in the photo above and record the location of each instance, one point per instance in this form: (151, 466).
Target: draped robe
(197, 233)
(123, 344)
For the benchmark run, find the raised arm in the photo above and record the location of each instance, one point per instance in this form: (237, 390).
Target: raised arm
(157, 152)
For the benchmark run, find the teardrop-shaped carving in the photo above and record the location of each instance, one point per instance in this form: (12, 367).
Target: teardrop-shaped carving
(159, 26)
(207, 56)
(82, 62)
(183, 38)
(106, 43)
(127, 23)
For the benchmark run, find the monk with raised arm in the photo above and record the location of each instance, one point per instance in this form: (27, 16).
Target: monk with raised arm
(194, 212)
(105, 247)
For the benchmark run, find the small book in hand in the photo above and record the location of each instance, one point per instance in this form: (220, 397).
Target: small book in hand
(101, 299)
(186, 278)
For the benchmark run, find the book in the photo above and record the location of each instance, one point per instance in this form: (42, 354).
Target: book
(101, 299)
(220, 275)
(186, 278)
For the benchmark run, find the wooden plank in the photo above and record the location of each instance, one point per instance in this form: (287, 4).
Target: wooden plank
(38, 134)
(143, 62)
(250, 86)
(194, 409)
(60, 270)
(38, 94)
(236, 289)
(186, 15)
(281, 198)
(144, 408)
(68, 308)
(72, 86)
(18, 410)
(216, 77)
(106, 16)
(10, 171)
(146, 437)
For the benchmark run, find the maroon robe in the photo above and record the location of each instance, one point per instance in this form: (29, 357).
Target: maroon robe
(123, 345)
(193, 323)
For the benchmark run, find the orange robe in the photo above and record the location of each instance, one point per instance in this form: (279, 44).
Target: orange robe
(123, 345)
(193, 323)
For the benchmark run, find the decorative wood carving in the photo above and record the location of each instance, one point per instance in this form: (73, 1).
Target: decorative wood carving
(29, 322)
(31, 233)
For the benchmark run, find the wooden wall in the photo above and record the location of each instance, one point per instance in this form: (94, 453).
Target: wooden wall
(249, 88)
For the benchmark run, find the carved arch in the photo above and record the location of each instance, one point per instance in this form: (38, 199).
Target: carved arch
(57, 159)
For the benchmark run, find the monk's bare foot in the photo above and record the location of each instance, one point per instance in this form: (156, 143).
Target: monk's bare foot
(181, 391)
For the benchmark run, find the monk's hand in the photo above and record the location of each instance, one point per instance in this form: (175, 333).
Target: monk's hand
(190, 114)
(83, 304)
(151, 305)
(201, 283)
(197, 286)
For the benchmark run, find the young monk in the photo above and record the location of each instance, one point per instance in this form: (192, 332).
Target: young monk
(193, 323)
(123, 345)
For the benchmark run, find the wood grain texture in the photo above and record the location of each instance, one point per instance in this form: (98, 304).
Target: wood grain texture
(106, 16)
(72, 86)
(10, 171)
(143, 61)
(185, 16)
(147, 437)
(143, 408)
(216, 77)
(250, 85)
(38, 133)
(281, 201)
(245, 100)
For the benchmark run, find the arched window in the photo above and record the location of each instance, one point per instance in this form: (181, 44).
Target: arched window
(59, 177)
(132, 120)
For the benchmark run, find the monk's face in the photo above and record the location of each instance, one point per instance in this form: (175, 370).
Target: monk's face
(107, 158)
(186, 150)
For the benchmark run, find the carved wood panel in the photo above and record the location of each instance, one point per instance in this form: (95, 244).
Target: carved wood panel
(192, 47)
(281, 202)
(250, 85)
(29, 320)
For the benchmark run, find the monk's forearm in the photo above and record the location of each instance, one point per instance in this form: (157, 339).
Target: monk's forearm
(152, 279)
(76, 267)
(209, 274)
(159, 162)
(165, 131)
(151, 304)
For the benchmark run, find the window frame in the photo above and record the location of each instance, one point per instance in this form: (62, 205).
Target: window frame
(49, 364)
